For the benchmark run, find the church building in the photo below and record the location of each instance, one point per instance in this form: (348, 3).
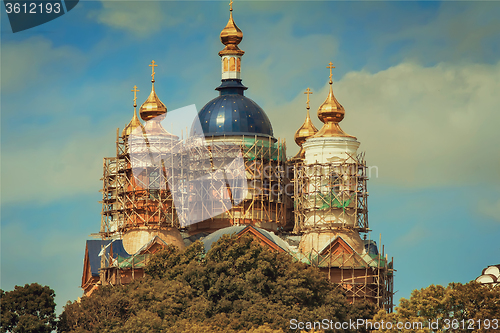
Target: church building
(229, 175)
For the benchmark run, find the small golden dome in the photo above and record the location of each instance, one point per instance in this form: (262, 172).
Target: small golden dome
(135, 122)
(152, 107)
(132, 125)
(231, 36)
(305, 131)
(153, 111)
(331, 112)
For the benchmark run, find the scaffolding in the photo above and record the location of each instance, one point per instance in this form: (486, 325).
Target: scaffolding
(331, 195)
(198, 186)
(255, 189)
(164, 182)
(331, 198)
(365, 276)
(135, 185)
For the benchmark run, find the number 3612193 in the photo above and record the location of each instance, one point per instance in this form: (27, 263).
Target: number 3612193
(33, 8)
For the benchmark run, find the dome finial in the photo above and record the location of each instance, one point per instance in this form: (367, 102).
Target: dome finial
(153, 70)
(331, 113)
(231, 36)
(308, 92)
(135, 95)
(135, 122)
(330, 66)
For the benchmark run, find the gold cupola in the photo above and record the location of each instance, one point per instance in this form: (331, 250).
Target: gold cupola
(305, 131)
(135, 122)
(152, 107)
(153, 111)
(231, 36)
(331, 113)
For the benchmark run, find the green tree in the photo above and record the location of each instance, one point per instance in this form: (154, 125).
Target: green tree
(438, 308)
(237, 286)
(28, 309)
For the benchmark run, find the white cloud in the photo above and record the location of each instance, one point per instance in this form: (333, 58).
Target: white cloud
(137, 17)
(420, 126)
(458, 32)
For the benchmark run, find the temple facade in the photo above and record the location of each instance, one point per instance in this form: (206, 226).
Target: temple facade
(229, 174)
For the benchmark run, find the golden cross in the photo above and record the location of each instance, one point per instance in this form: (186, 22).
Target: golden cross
(231, 5)
(153, 69)
(135, 95)
(308, 92)
(330, 65)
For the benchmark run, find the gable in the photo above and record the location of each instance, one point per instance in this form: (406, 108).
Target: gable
(263, 240)
(336, 247)
(153, 246)
(338, 253)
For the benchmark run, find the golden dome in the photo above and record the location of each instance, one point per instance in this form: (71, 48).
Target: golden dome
(152, 107)
(153, 111)
(231, 36)
(132, 125)
(331, 112)
(305, 131)
(135, 122)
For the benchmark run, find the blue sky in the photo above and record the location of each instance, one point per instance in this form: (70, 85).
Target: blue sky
(419, 82)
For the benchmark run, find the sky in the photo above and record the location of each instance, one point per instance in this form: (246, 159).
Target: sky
(419, 82)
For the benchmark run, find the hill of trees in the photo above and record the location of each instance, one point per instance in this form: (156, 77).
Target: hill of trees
(240, 286)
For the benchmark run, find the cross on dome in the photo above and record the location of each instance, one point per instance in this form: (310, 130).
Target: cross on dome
(330, 66)
(135, 90)
(308, 92)
(153, 70)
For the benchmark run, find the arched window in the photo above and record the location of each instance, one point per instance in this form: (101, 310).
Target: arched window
(226, 67)
(232, 66)
(238, 65)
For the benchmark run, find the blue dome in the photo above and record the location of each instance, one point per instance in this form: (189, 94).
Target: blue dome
(234, 114)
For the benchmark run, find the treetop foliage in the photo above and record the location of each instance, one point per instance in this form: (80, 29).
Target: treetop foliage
(28, 309)
(470, 304)
(237, 286)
